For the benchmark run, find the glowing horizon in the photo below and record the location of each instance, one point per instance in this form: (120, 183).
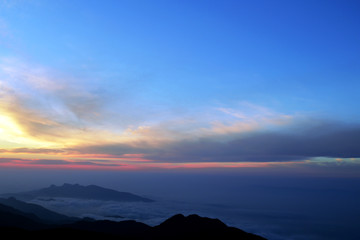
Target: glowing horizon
(231, 91)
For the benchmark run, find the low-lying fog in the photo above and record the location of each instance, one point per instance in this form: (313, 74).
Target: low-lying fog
(276, 207)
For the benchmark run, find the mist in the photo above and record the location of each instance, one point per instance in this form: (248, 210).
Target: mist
(276, 205)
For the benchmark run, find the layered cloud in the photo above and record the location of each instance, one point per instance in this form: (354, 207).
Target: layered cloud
(45, 114)
(42, 108)
(297, 141)
(63, 164)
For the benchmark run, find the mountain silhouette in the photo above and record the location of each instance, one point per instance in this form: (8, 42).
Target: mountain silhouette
(44, 214)
(91, 192)
(11, 217)
(196, 227)
(21, 219)
(19, 224)
(176, 227)
(128, 228)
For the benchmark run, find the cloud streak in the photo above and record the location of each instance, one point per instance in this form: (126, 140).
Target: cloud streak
(47, 108)
(63, 164)
(304, 141)
(44, 116)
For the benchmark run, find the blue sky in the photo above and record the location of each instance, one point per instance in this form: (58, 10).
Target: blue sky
(148, 78)
(294, 56)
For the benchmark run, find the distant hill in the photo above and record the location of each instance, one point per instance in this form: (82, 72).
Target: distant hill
(34, 209)
(196, 227)
(128, 228)
(177, 227)
(13, 218)
(80, 192)
(20, 219)
(16, 224)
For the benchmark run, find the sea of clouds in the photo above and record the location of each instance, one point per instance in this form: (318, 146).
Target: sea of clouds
(269, 224)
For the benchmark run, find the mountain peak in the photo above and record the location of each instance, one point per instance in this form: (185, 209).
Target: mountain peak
(130, 229)
(39, 211)
(194, 226)
(192, 220)
(67, 185)
(91, 192)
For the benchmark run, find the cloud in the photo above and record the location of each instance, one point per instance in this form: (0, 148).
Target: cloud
(8, 160)
(299, 141)
(324, 140)
(46, 106)
(51, 109)
(42, 113)
(33, 150)
(59, 163)
(49, 162)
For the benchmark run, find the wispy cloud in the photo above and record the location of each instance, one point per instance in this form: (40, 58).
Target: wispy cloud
(45, 107)
(44, 113)
(293, 143)
(33, 150)
(49, 107)
(63, 164)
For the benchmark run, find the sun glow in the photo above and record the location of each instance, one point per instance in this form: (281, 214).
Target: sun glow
(12, 135)
(8, 127)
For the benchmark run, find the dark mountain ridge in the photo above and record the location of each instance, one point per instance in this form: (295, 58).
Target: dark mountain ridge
(196, 227)
(91, 192)
(38, 211)
(13, 218)
(20, 219)
(177, 227)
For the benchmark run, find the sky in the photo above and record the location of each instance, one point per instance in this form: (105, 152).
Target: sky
(268, 86)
